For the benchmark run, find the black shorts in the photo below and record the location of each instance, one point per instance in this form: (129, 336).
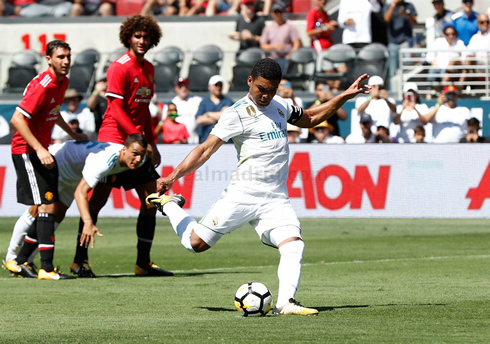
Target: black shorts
(132, 178)
(35, 183)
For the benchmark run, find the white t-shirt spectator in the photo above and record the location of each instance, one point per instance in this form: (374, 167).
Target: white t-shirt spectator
(86, 120)
(358, 138)
(377, 109)
(441, 57)
(360, 12)
(449, 124)
(408, 121)
(187, 110)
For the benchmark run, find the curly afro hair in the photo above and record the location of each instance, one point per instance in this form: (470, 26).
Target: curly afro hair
(140, 23)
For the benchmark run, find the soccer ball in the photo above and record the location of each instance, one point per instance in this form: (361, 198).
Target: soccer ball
(253, 299)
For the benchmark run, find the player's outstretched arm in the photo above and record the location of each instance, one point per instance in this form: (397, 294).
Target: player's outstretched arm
(195, 159)
(89, 229)
(314, 116)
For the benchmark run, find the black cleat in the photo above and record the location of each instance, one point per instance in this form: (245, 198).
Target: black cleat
(83, 270)
(151, 270)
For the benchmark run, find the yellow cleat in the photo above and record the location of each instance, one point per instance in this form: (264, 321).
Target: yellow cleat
(158, 201)
(294, 308)
(56, 274)
(12, 266)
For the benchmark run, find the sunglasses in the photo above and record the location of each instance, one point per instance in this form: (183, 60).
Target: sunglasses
(484, 21)
(450, 34)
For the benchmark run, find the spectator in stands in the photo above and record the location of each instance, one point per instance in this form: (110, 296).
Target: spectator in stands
(249, 26)
(378, 105)
(285, 90)
(10, 8)
(211, 107)
(97, 102)
(163, 7)
(103, 8)
(379, 28)
(293, 133)
(191, 8)
(319, 26)
(449, 119)
(365, 135)
(173, 132)
(442, 59)
(281, 37)
(382, 134)
(400, 16)
(323, 134)
(229, 7)
(409, 113)
(75, 113)
(323, 94)
(481, 40)
(156, 113)
(4, 127)
(419, 134)
(472, 135)
(442, 18)
(465, 21)
(355, 18)
(47, 8)
(187, 105)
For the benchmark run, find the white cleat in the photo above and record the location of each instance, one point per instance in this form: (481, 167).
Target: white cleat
(293, 307)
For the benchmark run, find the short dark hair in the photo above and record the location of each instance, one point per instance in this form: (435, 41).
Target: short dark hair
(138, 138)
(474, 122)
(450, 27)
(140, 23)
(419, 129)
(268, 69)
(53, 45)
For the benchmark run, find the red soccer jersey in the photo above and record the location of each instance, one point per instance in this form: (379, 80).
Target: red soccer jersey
(315, 18)
(40, 105)
(133, 84)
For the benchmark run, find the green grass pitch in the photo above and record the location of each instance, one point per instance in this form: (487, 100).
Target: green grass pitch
(373, 280)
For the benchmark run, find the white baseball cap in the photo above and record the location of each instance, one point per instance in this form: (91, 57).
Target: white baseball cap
(375, 80)
(410, 86)
(215, 79)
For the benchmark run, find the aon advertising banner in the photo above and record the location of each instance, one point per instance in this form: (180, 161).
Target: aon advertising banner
(385, 181)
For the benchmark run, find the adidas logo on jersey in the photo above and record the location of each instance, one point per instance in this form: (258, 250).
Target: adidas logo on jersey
(53, 101)
(136, 80)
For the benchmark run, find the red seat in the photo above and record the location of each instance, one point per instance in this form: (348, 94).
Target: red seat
(129, 7)
(302, 6)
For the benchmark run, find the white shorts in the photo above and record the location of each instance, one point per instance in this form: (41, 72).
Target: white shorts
(234, 209)
(66, 191)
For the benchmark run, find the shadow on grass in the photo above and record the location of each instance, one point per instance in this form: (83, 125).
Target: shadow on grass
(218, 309)
(177, 274)
(329, 309)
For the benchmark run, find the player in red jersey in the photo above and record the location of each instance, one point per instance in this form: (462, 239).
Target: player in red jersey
(129, 92)
(37, 172)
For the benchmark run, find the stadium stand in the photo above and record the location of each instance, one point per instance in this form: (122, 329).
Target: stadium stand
(300, 67)
(129, 7)
(205, 63)
(244, 63)
(168, 63)
(22, 70)
(82, 72)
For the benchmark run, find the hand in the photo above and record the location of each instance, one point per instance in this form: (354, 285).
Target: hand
(441, 99)
(88, 234)
(279, 46)
(472, 137)
(46, 158)
(246, 34)
(100, 87)
(356, 88)
(163, 185)
(375, 93)
(332, 25)
(349, 22)
(383, 94)
(235, 35)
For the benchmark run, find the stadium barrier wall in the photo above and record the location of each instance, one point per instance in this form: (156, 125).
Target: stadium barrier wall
(334, 181)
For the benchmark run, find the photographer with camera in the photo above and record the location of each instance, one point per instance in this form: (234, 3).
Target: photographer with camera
(449, 120)
(409, 113)
(472, 136)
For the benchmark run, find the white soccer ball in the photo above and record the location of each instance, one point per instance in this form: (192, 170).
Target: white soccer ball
(253, 299)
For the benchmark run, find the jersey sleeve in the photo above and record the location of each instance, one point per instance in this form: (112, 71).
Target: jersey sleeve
(34, 97)
(228, 126)
(116, 85)
(99, 165)
(294, 113)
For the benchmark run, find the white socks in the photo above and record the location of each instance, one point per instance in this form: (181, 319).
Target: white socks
(181, 222)
(20, 230)
(289, 271)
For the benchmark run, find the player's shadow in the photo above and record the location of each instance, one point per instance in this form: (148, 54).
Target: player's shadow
(218, 309)
(177, 274)
(332, 308)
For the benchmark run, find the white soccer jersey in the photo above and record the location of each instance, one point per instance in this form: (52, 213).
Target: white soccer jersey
(260, 138)
(90, 159)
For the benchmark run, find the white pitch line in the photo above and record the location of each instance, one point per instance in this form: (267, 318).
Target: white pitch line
(484, 256)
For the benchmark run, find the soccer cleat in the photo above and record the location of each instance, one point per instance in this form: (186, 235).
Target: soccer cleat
(151, 270)
(11, 265)
(158, 201)
(294, 308)
(25, 270)
(56, 274)
(83, 270)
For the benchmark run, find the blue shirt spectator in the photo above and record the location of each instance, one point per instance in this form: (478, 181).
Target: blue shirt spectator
(465, 22)
(400, 25)
(211, 108)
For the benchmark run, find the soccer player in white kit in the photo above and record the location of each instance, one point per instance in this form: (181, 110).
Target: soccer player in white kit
(81, 166)
(257, 194)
